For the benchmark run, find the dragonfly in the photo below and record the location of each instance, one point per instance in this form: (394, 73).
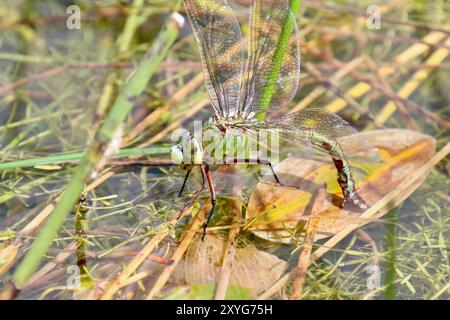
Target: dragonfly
(243, 83)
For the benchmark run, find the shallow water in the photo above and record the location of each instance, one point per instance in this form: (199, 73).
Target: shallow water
(51, 84)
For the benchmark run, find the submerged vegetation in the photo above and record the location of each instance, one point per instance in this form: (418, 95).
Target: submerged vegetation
(111, 227)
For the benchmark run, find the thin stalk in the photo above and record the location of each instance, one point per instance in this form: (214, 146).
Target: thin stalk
(76, 156)
(391, 236)
(131, 25)
(81, 228)
(96, 152)
(123, 43)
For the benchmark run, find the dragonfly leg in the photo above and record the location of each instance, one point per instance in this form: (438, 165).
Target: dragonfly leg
(188, 171)
(268, 163)
(197, 193)
(207, 174)
(261, 162)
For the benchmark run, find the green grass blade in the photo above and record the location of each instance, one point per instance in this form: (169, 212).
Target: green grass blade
(283, 43)
(76, 156)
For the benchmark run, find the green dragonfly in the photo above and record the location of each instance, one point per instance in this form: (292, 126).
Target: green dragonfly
(241, 82)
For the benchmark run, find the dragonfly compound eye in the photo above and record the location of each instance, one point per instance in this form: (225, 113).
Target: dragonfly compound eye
(176, 153)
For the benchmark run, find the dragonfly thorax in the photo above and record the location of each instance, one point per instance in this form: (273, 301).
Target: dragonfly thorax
(225, 124)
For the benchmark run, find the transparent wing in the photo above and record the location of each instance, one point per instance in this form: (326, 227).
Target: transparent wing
(263, 85)
(219, 39)
(324, 131)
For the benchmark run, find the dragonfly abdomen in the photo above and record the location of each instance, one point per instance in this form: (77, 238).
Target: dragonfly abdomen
(347, 184)
(345, 179)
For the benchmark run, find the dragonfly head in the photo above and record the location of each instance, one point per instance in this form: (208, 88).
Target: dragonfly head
(187, 152)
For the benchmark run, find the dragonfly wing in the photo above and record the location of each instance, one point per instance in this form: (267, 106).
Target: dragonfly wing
(315, 120)
(322, 129)
(263, 85)
(219, 40)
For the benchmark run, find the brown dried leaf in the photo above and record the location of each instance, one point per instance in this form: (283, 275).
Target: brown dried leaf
(252, 269)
